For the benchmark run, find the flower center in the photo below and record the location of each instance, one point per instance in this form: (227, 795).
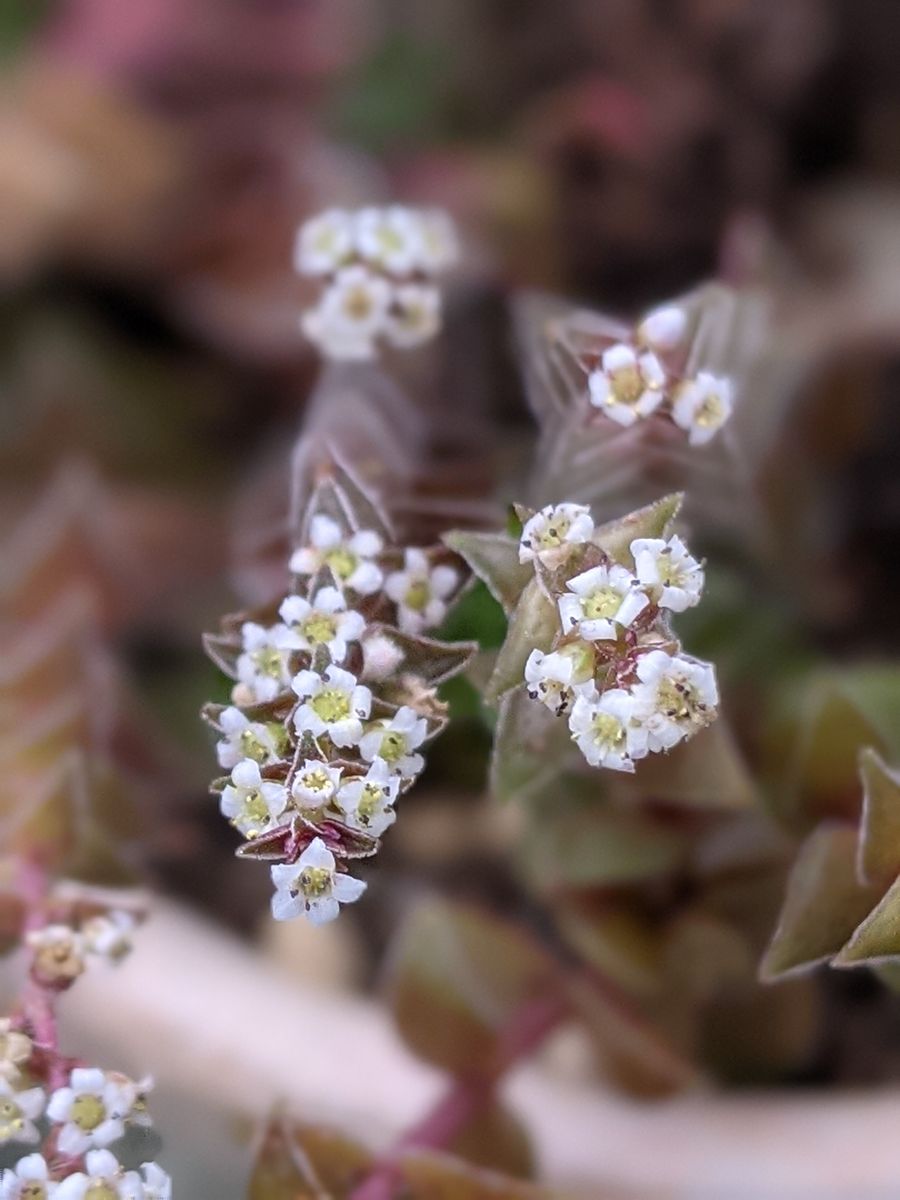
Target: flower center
(554, 535)
(417, 595)
(605, 602)
(678, 701)
(316, 780)
(369, 802)
(32, 1190)
(608, 730)
(87, 1112)
(331, 704)
(10, 1118)
(268, 661)
(252, 746)
(101, 1190)
(342, 561)
(393, 745)
(627, 385)
(389, 240)
(320, 628)
(710, 411)
(358, 304)
(315, 882)
(254, 809)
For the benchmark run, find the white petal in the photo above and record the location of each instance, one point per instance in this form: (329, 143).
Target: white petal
(346, 888)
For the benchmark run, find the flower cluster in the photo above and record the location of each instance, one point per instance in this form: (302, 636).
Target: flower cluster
(635, 377)
(334, 697)
(62, 949)
(615, 669)
(378, 267)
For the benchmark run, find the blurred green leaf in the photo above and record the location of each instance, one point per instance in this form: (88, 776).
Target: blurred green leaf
(530, 748)
(706, 772)
(879, 849)
(652, 521)
(494, 558)
(476, 616)
(532, 626)
(877, 937)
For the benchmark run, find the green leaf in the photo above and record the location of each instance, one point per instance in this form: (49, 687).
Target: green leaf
(532, 626)
(531, 747)
(877, 937)
(879, 844)
(705, 772)
(824, 904)
(475, 615)
(653, 521)
(494, 558)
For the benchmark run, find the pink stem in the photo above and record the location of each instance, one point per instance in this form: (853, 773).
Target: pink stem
(38, 1003)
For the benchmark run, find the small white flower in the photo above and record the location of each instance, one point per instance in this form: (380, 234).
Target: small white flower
(263, 665)
(599, 601)
(350, 314)
(415, 314)
(395, 740)
(29, 1179)
(15, 1049)
(367, 801)
(438, 243)
(245, 739)
(702, 406)
(607, 729)
(335, 704)
(555, 679)
(420, 591)
(105, 1179)
(350, 559)
(18, 1112)
(325, 622)
(552, 531)
(315, 783)
(390, 238)
(627, 384)
(108, 935)
(676, 696)
(381, 656)
(91, 1111)
(311, 887)
(324, 242)
(58, 952)
(252, 804)
(663, 328)
(673, 575)
(157, 1184)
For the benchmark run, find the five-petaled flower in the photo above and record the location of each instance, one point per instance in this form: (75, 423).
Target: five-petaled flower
(108, 935)
(262, 668)
(557, 677)
(367, 801)
(350, 314)
(702, 406)
(104, 1179)
(325, 242)
(628, 384)
(394, 740)
(334, 704)
(244, 738)
(550, 533)
(312, 887)
(29, 1179)
(390, 238)
(676, 696)
(601, 601)
(673, 577)
(19, 1109)
(58, 954)
(607, 729)
(420, 591)
(324, 621)
(252, 804)
(315, 783)
(351, 559)
(414, 315)
(91, 1111)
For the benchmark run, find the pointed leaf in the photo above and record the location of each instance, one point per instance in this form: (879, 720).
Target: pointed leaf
(430, 660)
(305, 1162)
(531, 747)
(879, 842)
(653, 521)
(877, 937)
(494, 558)
(532, 626)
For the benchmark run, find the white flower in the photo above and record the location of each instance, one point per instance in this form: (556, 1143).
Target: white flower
(105, 1179)
(108, 935)
(627, 385)
(18, 1112)
(58, 953)
(663, 328)
(676, 696)
(381, 656)
(599, 601)
(311, 887)
(702, 406)
(15, 1049)
(92, 1110)
(157, 1184)
(335, 704)
(607, 729)
(390, 238)
(252, 804)
(263, 665)
(438, 243)
(552, 531)
(351, 560)
(367, 801)
(395, 740)
(245, 739)
(673, 576)
(556, 679)
(325, 622)
(414, 315)
(29, 1179)
(324, 242)
(350, 314)
(420, 591)
(315, 783)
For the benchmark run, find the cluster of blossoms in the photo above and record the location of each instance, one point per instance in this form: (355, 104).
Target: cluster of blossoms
(378, 267)
(62, 950)
(333, 699)
(637, 376)
(615, 669)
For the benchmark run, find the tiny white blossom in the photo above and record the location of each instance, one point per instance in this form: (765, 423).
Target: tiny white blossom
(58, 952)
(663, 328)
(325, 622)
(349, 315)
(350, 559)
(553, 530)
(556, 678)
(29, 1179)
(311, 887)
(627, 385)
(15, 1049)
(438, 243)
(415, 314)
(607, 729)
(390, 238)
(381, 656)
(420, 591)
(104, 1179)
(599, 601)
(19, 1109)
(367, 801)
(157, 1183)
(702, 406)
(245, 739)
(263, 665)
(395, 741)
(324, 242)
(252, 804)
(335, 704)
(91, 1111)
(108, 935)
(676, 696)
(673, 575)
(315, 783)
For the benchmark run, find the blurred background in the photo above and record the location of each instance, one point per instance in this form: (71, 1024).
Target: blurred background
(156, 160)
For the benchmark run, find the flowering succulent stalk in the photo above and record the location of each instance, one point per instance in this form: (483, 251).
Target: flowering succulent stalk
(334, 696)
(377, 267)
